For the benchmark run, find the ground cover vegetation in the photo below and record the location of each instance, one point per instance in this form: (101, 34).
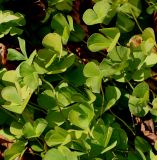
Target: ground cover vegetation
(78, 79)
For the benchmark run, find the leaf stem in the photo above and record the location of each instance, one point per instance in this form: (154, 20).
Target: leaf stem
(136, 20)
(123, 122)
(131, 86)
(102, 103)
(50, 85)
(36, 107)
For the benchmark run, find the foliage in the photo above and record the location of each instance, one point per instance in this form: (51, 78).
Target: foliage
(10, 23)
(57, 106)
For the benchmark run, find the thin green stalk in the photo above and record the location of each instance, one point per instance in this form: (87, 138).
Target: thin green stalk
(136, 20)
(131, 86)
(36, 107)
(102, 103)
(50, 85)
(123, 122)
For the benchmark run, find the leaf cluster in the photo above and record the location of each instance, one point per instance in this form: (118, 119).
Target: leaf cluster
(57, 106)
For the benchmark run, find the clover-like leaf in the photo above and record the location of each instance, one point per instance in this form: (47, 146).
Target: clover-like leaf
(97, 42)
(62, 26)
(124, 23)
(14, 55)
(29, 74)
(53, 41)
(151, 60)
(81, 115)
(62, 153)
(9, 22)
(10, 94)
(102, 134)
(148, 33)
(91, 70)
(16, 99)
(112, 94)
(9, 77)
(138, 101)
(97, 14)
(62, 65)
(16, 128)
(142, 144)
(15, 150)
(34, 130)
(113, 34)
(119, 54)
(120, 136)
(57, 136)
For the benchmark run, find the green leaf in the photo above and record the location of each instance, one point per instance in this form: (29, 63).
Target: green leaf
(9, 77)
(97, 42)
(142, 144)
(15, 151)
(65, 35)
(62, 65)
(56, 154)
(16, 128)
(62, 26)
(151, 60)
(36, 146)
(54, 42)
(124, 23)
(47, 100)
(54, 118)
(102, 134)
(108, 68)
(94, 83)
(10, 94)
(91, 70)
(113, 34)
(30, 76)
(97, 14)
(81, 115)
(14, 55)
(134, 156)
(148, 33)
(152, 155)
(44, 59)
(39, 126)
(22, 46)
(9, 22)
(76, 76)
(109, 147)
(35, 129)
(58, 23)
(63, 153)
(138, 106)
(53, 2)
(138, 101)
(28, 130)
(119, 54)
(141, 90)
(78, 34)
(18, 101)
(57, 137)
(68, 154)
(141, 75)
(112, 94)
(120, 136)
